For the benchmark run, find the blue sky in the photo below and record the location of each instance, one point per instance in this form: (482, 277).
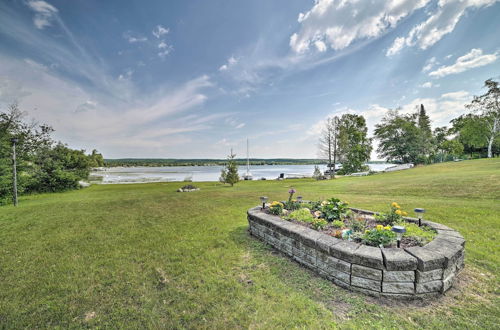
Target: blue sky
(192, 79)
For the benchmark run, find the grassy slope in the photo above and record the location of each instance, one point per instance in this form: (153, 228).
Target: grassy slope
(145, 256)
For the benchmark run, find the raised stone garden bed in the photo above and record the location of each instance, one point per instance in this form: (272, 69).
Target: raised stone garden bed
(410, 273)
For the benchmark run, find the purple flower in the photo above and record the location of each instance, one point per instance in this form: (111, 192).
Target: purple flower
(292, 191)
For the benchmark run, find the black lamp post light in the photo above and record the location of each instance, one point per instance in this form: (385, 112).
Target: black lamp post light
(263, 200)
(399, 230)
(420, 215)
(299, 199)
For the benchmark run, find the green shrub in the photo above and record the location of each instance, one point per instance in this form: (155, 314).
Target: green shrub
(303, 215)
(377, 237)
(338, 224)
(276, 208)
(422, 234)
(334, 209)
(356, 224)
(319, 223)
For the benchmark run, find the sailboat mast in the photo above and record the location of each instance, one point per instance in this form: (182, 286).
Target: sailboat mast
(248, 160)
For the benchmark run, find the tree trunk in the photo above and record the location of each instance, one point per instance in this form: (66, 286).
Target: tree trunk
(492, 137)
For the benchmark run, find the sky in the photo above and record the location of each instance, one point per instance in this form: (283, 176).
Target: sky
(195, 79)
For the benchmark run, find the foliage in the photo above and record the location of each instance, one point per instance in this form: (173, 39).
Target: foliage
(395, 215)
(334, 209)
(354, 146)
(329, 143)
(356, 224)
(229, 173)
(276, 208)
(337, 224)
(319, 223)
(293, 205)
(422, 234)
(42, 164)
(380, 236)
(398, 136)
(291, 191)
(487, 107)
(189, 187)
(302, 215)
(317, 173)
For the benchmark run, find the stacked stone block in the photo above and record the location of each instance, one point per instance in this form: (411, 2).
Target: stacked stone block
(390, 272)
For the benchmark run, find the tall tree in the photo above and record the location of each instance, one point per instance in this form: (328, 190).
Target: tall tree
(398, 137)
(487, 106)
(354, 145)
(329, 141)
(425, 143)
(229, 173)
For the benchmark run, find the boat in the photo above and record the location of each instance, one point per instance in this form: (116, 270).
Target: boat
(248, 175)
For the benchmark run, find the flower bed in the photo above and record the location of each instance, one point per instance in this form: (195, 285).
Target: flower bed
(409, 272)
(334, 217)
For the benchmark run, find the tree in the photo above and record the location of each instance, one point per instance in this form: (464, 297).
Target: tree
(317, 173)
(440, 136)
(398, 137)
(425, 138)
(354, 146)
(328, 143)
(472, 131)
(487, 106)
(229, 173)
(452, 147)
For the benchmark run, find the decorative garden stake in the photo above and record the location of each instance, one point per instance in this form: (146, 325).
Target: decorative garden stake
(299, 199)
(420, 215)
(399, 230)
(263, 199)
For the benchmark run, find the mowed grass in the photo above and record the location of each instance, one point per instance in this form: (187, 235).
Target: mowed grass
(144, 256)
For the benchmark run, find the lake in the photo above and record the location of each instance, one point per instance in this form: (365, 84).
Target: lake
(115, 175)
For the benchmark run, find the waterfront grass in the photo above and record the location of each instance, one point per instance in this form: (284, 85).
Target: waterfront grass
(144, 256)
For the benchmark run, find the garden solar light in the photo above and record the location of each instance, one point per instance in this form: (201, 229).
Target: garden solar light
(263, 199)
(299, 199)
(399, 230)
(420, 215)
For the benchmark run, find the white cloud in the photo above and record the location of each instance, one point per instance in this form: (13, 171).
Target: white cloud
(439, 23)
(430, 64)
(396, 46)
(338, 23)
(44, 13)
(427, 84)
(131, 38)
(232, 61)
(159, 31)
(473, 59)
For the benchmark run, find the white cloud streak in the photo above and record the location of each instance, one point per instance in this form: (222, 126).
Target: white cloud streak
(44, 13)
(473, 59)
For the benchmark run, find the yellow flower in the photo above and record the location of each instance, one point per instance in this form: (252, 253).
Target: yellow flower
(394, 204)
(387, 227)
(380, 227)
(398, 212)
(367, 231)
(405, 213)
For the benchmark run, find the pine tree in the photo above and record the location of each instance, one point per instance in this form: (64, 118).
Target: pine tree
(425, 143)
(229, 174)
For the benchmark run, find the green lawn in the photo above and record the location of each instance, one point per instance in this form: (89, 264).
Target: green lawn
(136, 256)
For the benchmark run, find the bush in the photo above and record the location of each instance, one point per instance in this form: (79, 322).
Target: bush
(319, 223)
(357, 224)
(379, 236)
(276, 208)
(338, 224)
(302, 215)
(334, 209)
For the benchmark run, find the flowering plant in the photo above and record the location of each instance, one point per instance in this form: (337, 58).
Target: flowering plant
(291, 192)
(380, 236)
(319, 224)
(276, 208)
(334, 209)
(395, 214)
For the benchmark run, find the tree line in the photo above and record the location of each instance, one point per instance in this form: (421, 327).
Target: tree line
(43, 164)
(409, 138)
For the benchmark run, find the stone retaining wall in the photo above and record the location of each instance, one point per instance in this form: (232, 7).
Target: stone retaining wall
(391, 272)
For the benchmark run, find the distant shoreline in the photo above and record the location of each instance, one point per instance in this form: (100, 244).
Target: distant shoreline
(169, 162)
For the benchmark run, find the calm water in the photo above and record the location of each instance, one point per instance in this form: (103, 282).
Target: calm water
(202, 173)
